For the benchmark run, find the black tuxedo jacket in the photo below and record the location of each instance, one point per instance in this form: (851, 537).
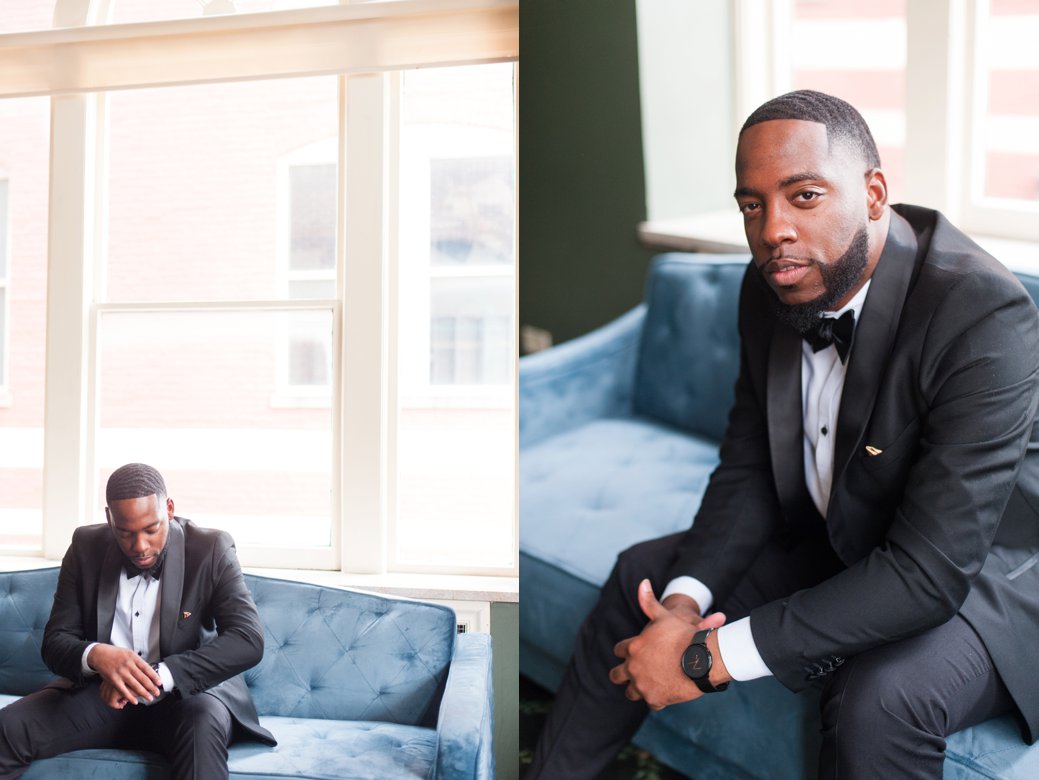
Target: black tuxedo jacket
(209, 630)
(934, 507)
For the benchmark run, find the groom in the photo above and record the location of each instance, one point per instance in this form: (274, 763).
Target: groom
(873, 523)
(151, 626)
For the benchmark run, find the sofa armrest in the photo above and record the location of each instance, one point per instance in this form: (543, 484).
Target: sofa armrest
(465, 725)
(588, 378)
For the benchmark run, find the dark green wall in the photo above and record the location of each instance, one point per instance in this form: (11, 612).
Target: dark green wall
(505, 647)
(581, 177)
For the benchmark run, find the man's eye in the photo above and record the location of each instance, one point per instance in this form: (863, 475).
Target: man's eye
(747, 208)
(807, 196)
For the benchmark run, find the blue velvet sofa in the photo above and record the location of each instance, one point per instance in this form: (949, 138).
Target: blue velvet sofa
(619, 431)
(352, 685)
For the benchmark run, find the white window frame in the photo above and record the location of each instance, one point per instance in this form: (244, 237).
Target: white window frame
(945, 102)
(77, 64)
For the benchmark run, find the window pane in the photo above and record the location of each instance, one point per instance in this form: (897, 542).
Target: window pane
(471, 210)
(312, 217)
(1009, 129)
(456, 285)
(200, 193)
(857, 51)
(196, 394)
(25, 130)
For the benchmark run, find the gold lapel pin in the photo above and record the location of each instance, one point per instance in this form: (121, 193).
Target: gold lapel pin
(186, 615)
(872, 451)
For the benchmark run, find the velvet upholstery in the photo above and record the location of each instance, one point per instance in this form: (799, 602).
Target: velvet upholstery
(352, 685)
(619, 430)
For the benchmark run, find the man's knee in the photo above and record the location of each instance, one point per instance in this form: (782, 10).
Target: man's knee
(650, 559)
(203, 718)
(865, 701)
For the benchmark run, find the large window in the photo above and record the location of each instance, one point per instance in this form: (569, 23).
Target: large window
(23, 292)
(1002, 194)
(228, 305)
(950, 90)
(455, 482)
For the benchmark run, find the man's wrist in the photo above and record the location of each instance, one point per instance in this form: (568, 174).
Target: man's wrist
(683, 606)
(719, 673)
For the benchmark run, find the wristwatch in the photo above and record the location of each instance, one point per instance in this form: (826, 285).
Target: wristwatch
(697, 662)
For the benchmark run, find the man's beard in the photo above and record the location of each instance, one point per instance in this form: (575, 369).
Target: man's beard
(839, 277)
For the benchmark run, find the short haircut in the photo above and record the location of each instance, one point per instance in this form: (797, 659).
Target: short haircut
(134, 480)
(840, 118)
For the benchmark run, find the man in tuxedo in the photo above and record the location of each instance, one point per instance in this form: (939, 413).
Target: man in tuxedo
(873, 524)
(151, 626)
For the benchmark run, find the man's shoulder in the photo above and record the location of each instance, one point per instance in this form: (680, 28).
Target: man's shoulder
(949, 254)
(95, 533)
(199, 536)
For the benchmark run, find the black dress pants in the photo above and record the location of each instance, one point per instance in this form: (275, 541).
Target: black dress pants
(193, 733)
(885, 712)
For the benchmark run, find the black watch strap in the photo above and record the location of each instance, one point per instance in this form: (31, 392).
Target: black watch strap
(697, 662)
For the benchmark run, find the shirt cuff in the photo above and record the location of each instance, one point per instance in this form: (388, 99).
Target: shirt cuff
(740, 654)
(167, 677)
(87, 671)
(693, 588)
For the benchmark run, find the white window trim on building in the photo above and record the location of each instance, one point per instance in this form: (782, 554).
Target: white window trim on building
(325, 40)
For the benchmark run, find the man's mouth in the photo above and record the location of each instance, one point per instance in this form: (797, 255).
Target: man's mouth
(784, 272)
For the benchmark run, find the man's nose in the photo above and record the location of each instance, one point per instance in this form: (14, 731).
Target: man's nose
(778, 229)
(140, 544)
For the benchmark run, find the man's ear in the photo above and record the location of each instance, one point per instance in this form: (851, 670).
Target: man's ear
(169, 508)
(108, 516)
(876, 193)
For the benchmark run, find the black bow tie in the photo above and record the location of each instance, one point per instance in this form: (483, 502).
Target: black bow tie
(135, 571)
(839, 331)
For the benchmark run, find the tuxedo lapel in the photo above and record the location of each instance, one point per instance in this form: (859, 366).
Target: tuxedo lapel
(172, 588)
(108, 589)
(785, 427)
(874, 337)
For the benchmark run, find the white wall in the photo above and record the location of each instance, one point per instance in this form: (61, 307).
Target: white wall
(687, 87)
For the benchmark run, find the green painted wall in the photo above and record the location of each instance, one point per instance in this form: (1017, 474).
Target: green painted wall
(581, 180)
(505, 674)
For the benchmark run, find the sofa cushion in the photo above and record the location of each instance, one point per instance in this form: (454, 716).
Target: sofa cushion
(689, 355)
(585, 495)
(615, 482)
(307, 749)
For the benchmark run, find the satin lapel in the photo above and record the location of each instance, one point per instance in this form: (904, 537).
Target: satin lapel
(172, 588)
(785, 427)
(108, 590)
(874, 338)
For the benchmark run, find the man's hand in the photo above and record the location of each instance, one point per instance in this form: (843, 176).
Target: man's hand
(652, 661)
(126, 677)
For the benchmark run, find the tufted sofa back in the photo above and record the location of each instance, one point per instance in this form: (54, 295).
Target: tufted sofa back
(25, 605)
(329, 653)
(342, 655)
(689, 357)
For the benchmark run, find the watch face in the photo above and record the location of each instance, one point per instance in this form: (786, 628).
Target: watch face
(696, 662)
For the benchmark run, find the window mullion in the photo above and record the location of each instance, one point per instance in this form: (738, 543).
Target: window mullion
(364, 355)
(66, 476)
(934, 171)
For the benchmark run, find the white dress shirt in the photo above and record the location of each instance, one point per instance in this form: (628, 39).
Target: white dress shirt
(136, 623)
(822, 385)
